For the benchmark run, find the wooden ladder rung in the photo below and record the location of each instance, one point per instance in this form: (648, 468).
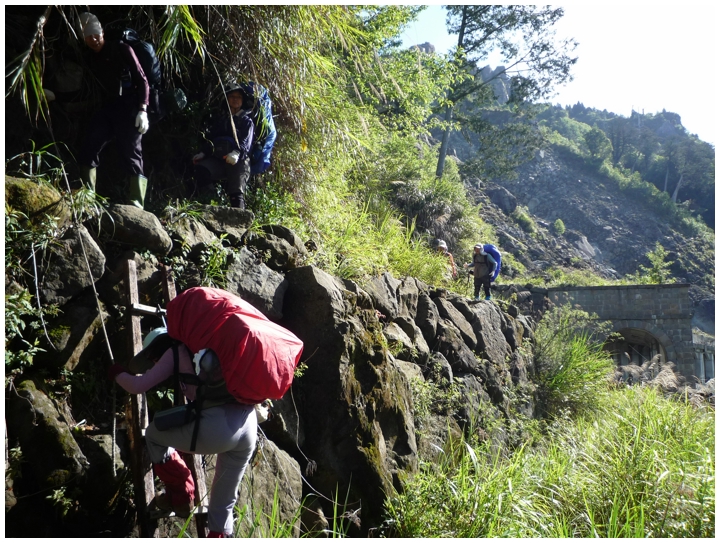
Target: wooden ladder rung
(142, 309)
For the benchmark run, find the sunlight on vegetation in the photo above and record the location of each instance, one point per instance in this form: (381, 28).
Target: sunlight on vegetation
(640, 465)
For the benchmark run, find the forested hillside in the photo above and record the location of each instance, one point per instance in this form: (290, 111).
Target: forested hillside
(381, 151)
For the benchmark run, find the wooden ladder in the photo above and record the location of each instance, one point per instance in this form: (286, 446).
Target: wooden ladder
(137, 420)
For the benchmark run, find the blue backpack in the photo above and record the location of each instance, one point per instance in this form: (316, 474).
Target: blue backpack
(265, 134)
(495, 253)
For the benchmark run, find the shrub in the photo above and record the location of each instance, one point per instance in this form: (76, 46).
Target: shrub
(559, 227)
(522, 217)
(571, 368)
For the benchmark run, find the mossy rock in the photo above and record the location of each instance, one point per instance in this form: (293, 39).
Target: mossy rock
(36, 200)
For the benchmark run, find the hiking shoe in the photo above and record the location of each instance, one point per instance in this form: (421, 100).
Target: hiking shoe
(477, 298)
(488, 297)
(164, 504)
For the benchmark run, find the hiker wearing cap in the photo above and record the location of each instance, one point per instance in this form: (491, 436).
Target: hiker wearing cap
(228, 430)
(483, 266)
(227, 151)
(443, 248)
(123, 117)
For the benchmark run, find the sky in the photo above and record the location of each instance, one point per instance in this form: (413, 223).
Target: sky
(630, 56)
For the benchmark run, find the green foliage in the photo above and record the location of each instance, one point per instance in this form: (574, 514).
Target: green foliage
(640, 465)
(432, 397)
(523, 218)
(559, 227)
(571, 367)
(659, 271)
(599, 146)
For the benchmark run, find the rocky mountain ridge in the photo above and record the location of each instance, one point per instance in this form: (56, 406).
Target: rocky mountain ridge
(608, 231)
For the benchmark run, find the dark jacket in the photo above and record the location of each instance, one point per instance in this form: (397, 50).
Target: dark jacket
(121, 77)
(483, 265)
(221, 137)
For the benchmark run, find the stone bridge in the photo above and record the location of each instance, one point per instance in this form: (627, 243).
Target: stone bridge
(652, 319)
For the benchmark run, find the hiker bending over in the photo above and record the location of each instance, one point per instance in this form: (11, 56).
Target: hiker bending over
(228, 430)
(483, 266)
(227, 151)
(443, 248)
(123, 115)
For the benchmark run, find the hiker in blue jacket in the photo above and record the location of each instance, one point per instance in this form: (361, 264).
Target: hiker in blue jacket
(483, 266)
(227, 151)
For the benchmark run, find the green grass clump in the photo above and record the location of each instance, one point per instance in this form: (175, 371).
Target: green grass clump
(640, 465)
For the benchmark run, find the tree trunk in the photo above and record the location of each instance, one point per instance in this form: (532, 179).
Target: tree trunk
(677, 188)
(667, 173)
(448, 111)
(444, 144)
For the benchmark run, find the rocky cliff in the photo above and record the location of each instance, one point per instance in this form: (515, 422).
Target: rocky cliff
(343, 436)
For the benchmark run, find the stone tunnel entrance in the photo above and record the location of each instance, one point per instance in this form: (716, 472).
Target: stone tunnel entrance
(635, 347)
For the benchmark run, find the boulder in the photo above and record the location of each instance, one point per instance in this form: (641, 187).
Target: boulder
(36, 200)
(277, 253)
(408, 293)
(137, 228)
(67, 272)
(502, 198)
(228, 220)
(271, 491)
(416, 336)
(488, 328)
(255, 282)
(76, 334)
(427, 318)
(383, 291)
(354, 401)
(447, 311)
(52, 456)
(288, 235)
(193, 234)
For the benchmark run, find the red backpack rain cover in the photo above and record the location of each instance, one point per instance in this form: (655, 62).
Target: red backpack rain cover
(258, 357)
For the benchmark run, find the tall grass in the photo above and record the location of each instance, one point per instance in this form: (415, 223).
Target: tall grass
(640, 465)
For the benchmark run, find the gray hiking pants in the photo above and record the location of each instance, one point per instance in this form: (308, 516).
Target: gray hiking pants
(230, 431)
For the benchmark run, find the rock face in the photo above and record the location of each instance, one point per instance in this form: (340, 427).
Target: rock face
(348, 427)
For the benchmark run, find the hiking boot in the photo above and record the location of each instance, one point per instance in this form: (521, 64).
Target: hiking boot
(138, 188)
(165, 504)
(88, 175)
(237, 200)
(477, 298)
(488, 297)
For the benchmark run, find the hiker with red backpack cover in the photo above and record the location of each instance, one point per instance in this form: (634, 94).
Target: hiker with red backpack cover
(243, 358)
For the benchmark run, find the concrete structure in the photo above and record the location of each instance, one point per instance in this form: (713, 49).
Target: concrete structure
(652, 319)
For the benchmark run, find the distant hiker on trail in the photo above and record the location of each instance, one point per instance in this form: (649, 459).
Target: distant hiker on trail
(484, 266)
(228, 430)
(123, 115)
(443, 248)
(227, 151)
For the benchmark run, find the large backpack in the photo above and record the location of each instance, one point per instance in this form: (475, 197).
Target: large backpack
(495, 253)
(265, 134)
(257, 356)
(161, 102)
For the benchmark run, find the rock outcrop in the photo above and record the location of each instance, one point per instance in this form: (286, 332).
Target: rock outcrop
(348, 428)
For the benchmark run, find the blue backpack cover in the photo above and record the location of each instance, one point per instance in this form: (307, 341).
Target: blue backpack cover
(495, 253)
(265, 134)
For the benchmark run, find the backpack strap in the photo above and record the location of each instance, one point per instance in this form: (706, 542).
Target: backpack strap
(176, 376)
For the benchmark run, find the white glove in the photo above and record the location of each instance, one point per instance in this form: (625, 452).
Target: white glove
(232, 157)
(141, 122)
(198, 157)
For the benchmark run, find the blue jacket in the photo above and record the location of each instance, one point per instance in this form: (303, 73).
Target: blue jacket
(221, 135)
